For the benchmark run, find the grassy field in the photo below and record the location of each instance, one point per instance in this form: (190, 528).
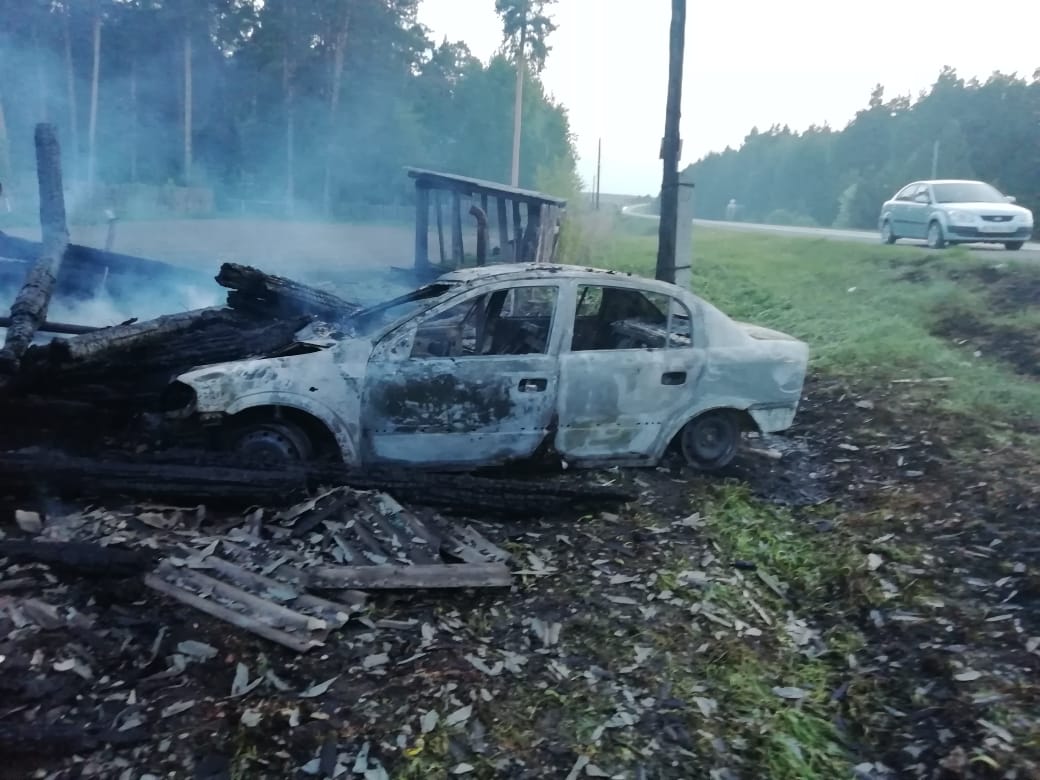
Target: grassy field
(867, 311)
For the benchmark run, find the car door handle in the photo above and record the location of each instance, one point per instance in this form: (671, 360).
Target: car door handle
(537, 385)
(673, 378)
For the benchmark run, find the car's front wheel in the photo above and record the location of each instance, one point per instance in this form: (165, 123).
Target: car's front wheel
(710, 442)
(887, 235)
(1013, 245)
(936, 239)
(272, 443)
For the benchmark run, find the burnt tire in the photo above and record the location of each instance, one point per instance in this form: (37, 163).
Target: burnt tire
(272, 443)
(710, 442)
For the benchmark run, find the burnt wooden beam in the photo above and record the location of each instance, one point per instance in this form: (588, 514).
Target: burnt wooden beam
(480, 215)
(438, 206)
(460, 575)
(457, 249)
(503, 229)
(518, 233)
(219, 611)
(422, 228)
(530, 237)
(136, 335)
(280, 297)
(29, 309)
(56, 327)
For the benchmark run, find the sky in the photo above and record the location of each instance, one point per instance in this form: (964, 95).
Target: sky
(747, 63)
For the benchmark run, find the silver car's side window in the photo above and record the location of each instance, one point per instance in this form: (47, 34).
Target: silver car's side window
(513, 321)
(611, 318)
(906, 193)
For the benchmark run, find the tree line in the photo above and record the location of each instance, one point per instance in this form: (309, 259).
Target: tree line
(305, 103)
(972, 129)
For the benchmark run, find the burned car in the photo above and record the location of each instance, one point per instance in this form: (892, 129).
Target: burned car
(501, 363)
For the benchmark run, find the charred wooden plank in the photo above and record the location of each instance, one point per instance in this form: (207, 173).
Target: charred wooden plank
(280, 296)
(335, 613)
(463, 575)
(272, 613)
(219, 611)
(29, 309)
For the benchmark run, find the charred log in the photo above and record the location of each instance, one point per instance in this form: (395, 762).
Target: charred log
(135, 335)
(80, 558)
(65, 328)
(257, 292)
(29, 309)
(86, 270)
(136, 362)
(221, 478)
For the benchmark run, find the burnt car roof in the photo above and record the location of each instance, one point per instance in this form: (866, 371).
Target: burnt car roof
(546, 271)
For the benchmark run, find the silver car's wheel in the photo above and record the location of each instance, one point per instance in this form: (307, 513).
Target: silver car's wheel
(1014, 246)
(886, 233)
(935, 236)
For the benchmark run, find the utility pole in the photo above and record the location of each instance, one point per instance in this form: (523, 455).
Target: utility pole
(519, 99)
(599, 167)
(671, 146)
(935, 159)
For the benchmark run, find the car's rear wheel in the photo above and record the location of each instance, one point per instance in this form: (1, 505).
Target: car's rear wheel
(1013, 245)
(887, 235)
(936, 240)
(710, 442)
(272, 443)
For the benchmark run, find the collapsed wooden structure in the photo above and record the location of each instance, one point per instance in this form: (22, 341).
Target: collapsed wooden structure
(527, 222)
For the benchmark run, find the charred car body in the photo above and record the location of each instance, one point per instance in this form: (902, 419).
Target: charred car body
(503, 363)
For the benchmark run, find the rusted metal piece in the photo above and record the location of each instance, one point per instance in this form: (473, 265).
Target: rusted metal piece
(511, 361)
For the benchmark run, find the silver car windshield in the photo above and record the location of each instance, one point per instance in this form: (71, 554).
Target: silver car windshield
(966, 192)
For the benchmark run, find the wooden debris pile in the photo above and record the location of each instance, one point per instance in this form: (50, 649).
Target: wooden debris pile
(293, 579)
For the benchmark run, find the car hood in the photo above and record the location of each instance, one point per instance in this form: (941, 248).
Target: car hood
(988, 208)
(217, 385)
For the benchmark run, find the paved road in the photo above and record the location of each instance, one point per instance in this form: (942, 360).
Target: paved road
(1030, 250)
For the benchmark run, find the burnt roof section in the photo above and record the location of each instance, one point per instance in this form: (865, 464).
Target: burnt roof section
(466, 185)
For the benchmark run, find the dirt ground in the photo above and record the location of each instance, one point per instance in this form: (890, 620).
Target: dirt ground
(939, 585)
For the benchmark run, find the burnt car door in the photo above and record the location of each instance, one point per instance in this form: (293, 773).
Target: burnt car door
(630, 369)
(473, 381)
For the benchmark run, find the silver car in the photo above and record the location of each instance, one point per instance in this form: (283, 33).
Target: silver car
(507, 362)
(954, 211)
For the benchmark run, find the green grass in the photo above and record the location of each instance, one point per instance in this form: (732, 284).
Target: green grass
(848, 302)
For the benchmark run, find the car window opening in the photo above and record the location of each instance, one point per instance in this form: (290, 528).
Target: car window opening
(515, 321)
(613, 318)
